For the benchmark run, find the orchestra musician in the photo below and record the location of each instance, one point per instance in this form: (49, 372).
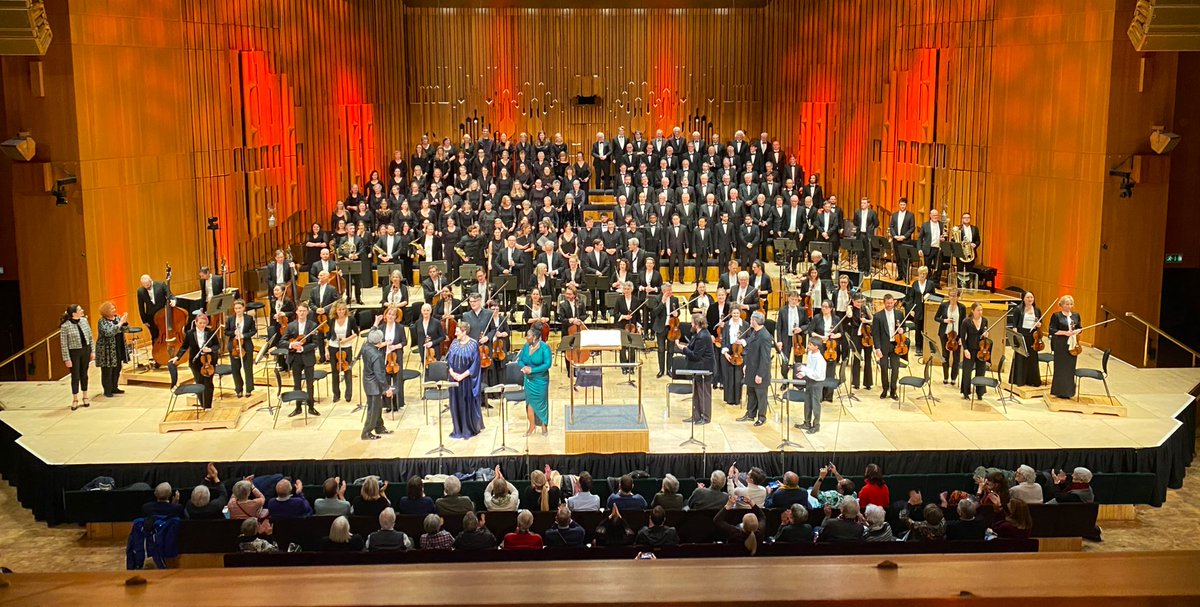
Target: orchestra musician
(480, 286)
(650, 282)
(395, 338)
(1024, 319)
(666, 307)
(933, 232)
(791, 225)
(359, 251)
(733, 376)
(901, 228)
(629, 314)
(477, 317)
(974, 329)
(153, 296)
(700, 355)
(325, 263)
(395, 293)
(949, 317)
(824, 326)
(320, 300)
(822, 265)
(1064, 335)
(842, 296)
(760, 283)
(301, 357)
(210, 286)
(498, 333)
(701, 300)
(815, 288)
(282, 311)
(343, 331)
(886, 324)
(390, 246)
(744, 294)
(728, 280)
(196, 341)
(866, 221)
(969, 235)
(241, 328)
(829, 227)
(573, 275)
(280, 271)
(789, 326)
(433, 284)
(427, 332)
(918, 294)
(857, 322)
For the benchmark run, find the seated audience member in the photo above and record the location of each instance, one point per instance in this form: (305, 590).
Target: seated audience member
(415, 502)
(1076, 488)
(993, 491)
(247, 501)
(878, 529)
(1027, 487)
(285, 504)
(711, 497)
(435, 538)
(915, 506)
(831, 497)
(749, 533)
(613, 530)
(387, 539)
(752, 489)
(540, 495)
(474, 535)
(565, 533)
(787, 493)
(793, 526)
(669, 497)
(845, 527)
(340, 539)
(453, 503)
(522, 538)
(1018, 524)
(201, 506)
(500, 495)
(625, 498)
(584, 500)
(933, 528)
(251, 539)
(656, 533)
(334, 503)
(967, 527)
(874, 490)
(372, 498)
(165, 504)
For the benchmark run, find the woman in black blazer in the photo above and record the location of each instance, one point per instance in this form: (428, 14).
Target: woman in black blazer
(1063, 331)
(1024, 319)
(949, 317)
(200, 340)
(343, 332)
(974, 327)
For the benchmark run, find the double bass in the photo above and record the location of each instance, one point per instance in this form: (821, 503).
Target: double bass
(171, 323)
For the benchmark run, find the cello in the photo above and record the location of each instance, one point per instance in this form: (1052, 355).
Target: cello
(171, 323)
(577, 355)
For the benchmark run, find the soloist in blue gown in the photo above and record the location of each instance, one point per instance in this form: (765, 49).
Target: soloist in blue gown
(537, 383)
(464, 398)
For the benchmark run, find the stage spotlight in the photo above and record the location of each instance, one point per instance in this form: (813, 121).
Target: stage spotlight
(60, 189)
(214, 224)
(1161, 141)
(21, 148)
(60, 197)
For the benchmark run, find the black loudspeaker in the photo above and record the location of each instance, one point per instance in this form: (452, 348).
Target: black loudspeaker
(24, 28)
(587, 99)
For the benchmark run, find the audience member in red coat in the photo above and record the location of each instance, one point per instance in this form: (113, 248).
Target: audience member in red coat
(874, 491)
(523, 538)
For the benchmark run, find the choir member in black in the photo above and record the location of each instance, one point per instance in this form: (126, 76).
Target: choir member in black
(825, 327)
(240, 330)
(629, 314)
(866, 221)
(473, 245)
(933, 233)
(396, 339)
(197, 341)
(602, 152)
(302, 355)
(597, 262)
(649, 280)
(433, 285)
(858, 323)
(320, 301)
(678, 246)
(949, 317)
(427, 333)
(969, 234)
(324, 263)
(790, 326)
(886, 324)
(744, 294)
(702, 248)
(918, 293)
(1064, 335)
(343, 330)
(666, 307)
(901, 228)
(448, 241)
(391, 249)
(394, 292)
(152, 297)
(725, 239)
(1024, 319)
(316, 242)
(733, 376)
(358, 252)
(728, 279)
(974, 329)
(700, 354)
(748, 237)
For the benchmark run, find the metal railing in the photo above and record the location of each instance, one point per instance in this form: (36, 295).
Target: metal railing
(20, 356)
(1149, 329)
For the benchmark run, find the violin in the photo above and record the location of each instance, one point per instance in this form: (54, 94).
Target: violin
(485, 349)
(236, 350)
(1039, 343)
(430, 356)
(798, 346)
(952, 342)
(985, 349)
(206, 365)
(392, 366)
(864, 335)
(900, 339)
(736, 352)
(831, 345)
(673, 331)
(343, 362)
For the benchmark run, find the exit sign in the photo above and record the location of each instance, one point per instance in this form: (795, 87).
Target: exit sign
(1175, 258)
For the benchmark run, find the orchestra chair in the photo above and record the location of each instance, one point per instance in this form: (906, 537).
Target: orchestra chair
(990, 382)
(514, 383)
(1046, 359)
(675, 385)
(292, 397)
(321, 376)
(434, 373)
(921, 384)
(1100, 374)
(221, 372)
(194, 390)
(258, 310)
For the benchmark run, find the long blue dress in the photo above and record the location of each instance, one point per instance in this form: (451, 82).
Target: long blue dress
(537, 383)
(464, 398)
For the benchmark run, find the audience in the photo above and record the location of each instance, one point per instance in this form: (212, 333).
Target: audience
(387, 539)
(751, 490)
(435, 538)
(565, 533)
(878, 529)
(584, 500)
(1076, 488)
(749, 533)
(523, 538)
(706, 498)
(540, 495)
(846, 527)
(656, 533)
(372, 499)
(334, 503)
(1018, 524)
(340, 539)
(993, 491)
(204, 506)
(613, 530)
(1027, 487)
(787, 493)
(500, 495)
(831, 498)
(453, 504)
(251, 539)
(287, 505)
(669, 498)
(793, 526)
(933, 528)
(165, 504)
(247, 502)
(474, 535)
(874, 490)
(625, 498)
(967, 527)
(415, 502)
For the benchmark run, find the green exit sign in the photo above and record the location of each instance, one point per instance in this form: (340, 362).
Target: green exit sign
(1175, 258)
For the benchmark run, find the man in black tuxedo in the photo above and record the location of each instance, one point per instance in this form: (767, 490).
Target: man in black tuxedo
(665, 307)
(701, 357)
(933, 233)
(822, 265)
(969, 235)
(280, 272)
(210, 286)
(597, 263)
(152, 297)
(829, 228)
(392, 248)
(757, 375)
(901, 227)
(793, 171)
(748, 237)
(200, 339)
(677, 248)
(793, 226)
(884, 327)
(302, 356)
(433, 284)
(324, 264)
(814, 189)
(602, 161)
(725, 239)
(866, 221)
(628, 310)
(790, 326)
(360, 252)
(321, 300)
(702, 247)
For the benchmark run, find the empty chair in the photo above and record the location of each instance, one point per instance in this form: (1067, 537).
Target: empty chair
(1100, 374)
(990, 382)
(194, 390)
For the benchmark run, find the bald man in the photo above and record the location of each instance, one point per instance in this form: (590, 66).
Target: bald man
(152, 296)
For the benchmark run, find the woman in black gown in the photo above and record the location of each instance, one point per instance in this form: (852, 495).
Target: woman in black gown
(1064, 331)
(1024, 319)
(974, 329)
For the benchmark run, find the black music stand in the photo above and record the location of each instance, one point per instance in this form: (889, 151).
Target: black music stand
(423, 268)
(505, 284)
(789, 386)
(385, 273)
(596, 284)
(466, 272)
(826, 249)
(307, 291)
(636, 342)
(610, 304)
(952, 251)
(906, 255)
(696, 375)
(352, 270)
(853, 246)
(439, 386)
(785, 249)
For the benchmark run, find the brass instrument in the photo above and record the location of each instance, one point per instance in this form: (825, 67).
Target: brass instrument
(418, 249)
(461, 253)
(968, 248)
(379, 253)
(345, 250)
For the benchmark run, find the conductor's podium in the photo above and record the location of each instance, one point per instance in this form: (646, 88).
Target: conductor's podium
(607, 429)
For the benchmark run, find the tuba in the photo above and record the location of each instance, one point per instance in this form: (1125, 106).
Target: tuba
(968, 248)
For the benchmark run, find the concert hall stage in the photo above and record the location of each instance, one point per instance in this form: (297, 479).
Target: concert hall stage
(45, 448)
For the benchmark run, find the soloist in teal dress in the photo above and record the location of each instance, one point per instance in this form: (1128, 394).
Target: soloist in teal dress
(537, 383)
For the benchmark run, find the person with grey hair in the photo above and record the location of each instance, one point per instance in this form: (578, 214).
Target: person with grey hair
(165, 504)
(474, 535)
(709, 497)
(757, 376)
(813, 372)
(1026, 487)
(845, 527)
(453, 503)
(375, 385)
(793, 526)
(669, 498)
(340, 539)
(289, 501)
(435, 538)
(523, 538)
(203, 506)
(251, 539)
(878, 529)
(387, 539)
(967, 527)
(1075, 488)
(247, 501)
(932, 529)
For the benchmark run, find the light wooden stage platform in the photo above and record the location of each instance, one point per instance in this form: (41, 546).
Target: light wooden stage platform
(125, 429)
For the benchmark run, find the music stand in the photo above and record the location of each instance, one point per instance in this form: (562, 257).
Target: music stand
(789, 385)
(425, 265)
(219, 305)
(466, 272)
(635, 342)
(826, 249)
(307, 291)
(610, 304)
(439, 386)
(952, 251)
(854, 246)
(352, 269)
(385, 273)
(1016, 341)
(696, 375)
(906, 255)
(785, 249)
(507, 285)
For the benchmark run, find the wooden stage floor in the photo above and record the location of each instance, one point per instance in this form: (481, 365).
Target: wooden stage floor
(125, 429)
